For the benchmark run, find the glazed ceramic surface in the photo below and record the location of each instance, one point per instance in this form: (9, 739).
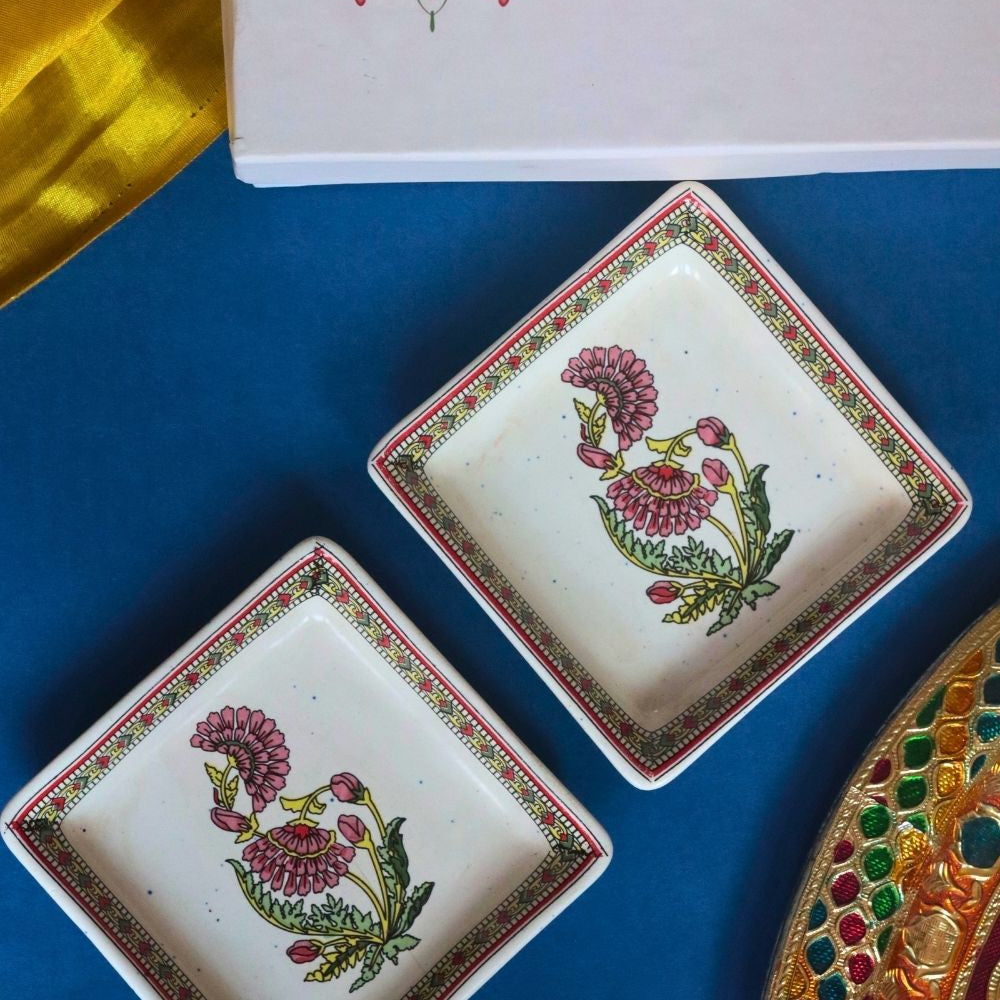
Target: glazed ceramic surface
(900, 900)
(671, 483)
(305, 802)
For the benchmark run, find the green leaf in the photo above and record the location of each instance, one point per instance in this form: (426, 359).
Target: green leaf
(754, 502)
(393, 860)
(755, 591)
(731, 608)
(645, 554)
(281, 913)
(374, 960)
(697, 601)
(773, 551)
(696, 558)
(412, 906)
(582, 410)
(404, 942)
(214, 774)
(335, 964)
(334, 916)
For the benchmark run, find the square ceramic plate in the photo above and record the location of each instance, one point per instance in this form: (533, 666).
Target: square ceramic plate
(671, 483)
(235, 827)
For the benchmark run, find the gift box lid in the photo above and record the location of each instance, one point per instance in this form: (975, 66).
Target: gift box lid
(375, 90)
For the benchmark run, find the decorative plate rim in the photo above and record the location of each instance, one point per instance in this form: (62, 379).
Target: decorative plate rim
(692, 215)
(581, 849)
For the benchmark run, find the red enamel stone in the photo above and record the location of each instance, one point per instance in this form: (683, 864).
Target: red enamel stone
(860, 967)
(845, 888)
(881, 771)
(843, 851)
(852, 928)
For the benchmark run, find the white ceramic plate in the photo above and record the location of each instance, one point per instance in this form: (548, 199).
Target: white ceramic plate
(671, 483)
(235, 826)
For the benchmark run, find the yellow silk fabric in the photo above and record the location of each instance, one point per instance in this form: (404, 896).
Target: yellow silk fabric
(101, 102)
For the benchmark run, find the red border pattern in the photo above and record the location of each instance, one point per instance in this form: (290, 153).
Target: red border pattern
(937, 502)
(37, 825)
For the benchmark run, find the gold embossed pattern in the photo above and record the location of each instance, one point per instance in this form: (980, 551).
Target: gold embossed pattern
(901, 893)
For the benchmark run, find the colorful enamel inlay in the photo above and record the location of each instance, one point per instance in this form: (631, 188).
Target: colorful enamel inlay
(900, 902)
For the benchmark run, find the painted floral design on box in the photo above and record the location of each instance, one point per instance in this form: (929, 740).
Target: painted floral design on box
(648, 503)
(432, 8)
(281, 867)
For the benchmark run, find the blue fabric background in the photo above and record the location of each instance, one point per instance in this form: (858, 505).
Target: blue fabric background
(200, 389)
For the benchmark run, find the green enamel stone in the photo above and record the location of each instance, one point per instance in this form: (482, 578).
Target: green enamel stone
(977, 765)
(820, 955)
(878, 863)
(919, 820)
(883, 940)
(874, 820)
(991, 690)
(917, 751)
(817, 914)
(885, 901)
(926, 715)
(988, 726)
(832, 988)
(980, 841)
(911, 791)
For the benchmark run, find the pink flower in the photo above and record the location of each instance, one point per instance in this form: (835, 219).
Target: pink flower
(347, 787)
(298, 859)
(624, 383)
(662, 499)
(662, 593)
(254, 743)
(713, 432)
(226, 819)
(715, 471)
(352, 828)
(597, 458)
(303, 952)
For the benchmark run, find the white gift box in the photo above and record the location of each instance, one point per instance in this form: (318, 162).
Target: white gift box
(333, 91)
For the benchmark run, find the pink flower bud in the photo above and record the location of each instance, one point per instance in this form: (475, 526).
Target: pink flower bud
(663, 593)
(352, 828)
(347, 787)
(226, 819)
(715, 471)
(597, 458)
(713, 432)
(304, 951)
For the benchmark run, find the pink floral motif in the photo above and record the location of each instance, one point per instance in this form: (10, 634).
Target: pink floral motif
(298, 858)
(662, 500)
(624, 388)
(255, 746)
(596, 458)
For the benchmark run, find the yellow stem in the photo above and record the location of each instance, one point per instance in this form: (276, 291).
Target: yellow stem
(222, 786)
(369, 892)
(304, 811)
(732, 541)
(677, 440)
(366, 799)
(591, 433)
